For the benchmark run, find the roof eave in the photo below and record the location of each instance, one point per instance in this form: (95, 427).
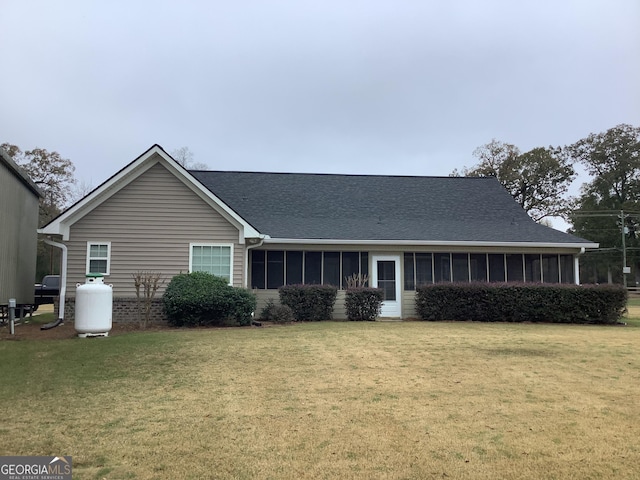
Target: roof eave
(431, 243)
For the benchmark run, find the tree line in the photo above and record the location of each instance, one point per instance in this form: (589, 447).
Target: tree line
(540, 178)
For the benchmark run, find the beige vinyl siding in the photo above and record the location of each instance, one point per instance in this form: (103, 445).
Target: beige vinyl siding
(150, 224)
(262, 297)
(409, 304)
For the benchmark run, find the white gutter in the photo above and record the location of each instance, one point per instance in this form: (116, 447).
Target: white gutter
(63, 276)
(428, 243)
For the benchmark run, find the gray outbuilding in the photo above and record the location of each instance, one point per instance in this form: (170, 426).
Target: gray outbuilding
(19, 198)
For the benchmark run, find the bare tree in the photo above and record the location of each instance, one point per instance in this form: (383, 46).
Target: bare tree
(538, 180)
(184, 157)
(147, 284)
(80, 190)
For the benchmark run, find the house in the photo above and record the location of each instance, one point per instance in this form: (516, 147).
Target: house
(19, 204)
(264, 230)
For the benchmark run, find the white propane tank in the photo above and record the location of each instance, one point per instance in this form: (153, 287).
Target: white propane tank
(94, 302)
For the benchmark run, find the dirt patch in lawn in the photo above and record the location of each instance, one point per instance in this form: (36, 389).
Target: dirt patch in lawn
(31, 330)
(30, 327)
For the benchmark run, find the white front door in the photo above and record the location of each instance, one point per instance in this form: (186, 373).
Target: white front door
(385, 274)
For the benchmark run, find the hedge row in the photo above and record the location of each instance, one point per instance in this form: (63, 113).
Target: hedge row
(309, 302)
(586, 304)
(202, 299)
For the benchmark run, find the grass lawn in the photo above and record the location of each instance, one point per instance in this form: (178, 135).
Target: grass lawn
(331, 400)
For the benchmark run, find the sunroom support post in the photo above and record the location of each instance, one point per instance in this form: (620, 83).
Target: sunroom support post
(576, 266)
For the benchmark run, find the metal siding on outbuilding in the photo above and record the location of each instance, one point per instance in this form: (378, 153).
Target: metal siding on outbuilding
(18, 236)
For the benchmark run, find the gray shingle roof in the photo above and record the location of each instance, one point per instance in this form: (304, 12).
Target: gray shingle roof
(372, 207)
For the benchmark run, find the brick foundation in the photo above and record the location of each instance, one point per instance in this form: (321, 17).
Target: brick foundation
(125, 310)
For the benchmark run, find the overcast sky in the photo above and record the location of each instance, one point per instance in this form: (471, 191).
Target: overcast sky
(367, 87)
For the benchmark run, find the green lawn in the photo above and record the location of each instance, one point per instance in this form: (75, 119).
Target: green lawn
(330, 400)
(634, 301)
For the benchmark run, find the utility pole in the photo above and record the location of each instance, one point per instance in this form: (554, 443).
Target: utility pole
(624, 229)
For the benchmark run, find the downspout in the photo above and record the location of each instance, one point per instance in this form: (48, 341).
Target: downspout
(576, 266)
(63, 284)
(246, 260)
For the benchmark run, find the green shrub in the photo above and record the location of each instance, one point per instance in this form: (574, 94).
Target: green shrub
(309, 302)
(484, 302)
(277, 313)
(242, 304)
(266, 313)
(363, 303)
(202, 299)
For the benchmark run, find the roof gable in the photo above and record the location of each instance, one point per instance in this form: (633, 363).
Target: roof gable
(153, 156)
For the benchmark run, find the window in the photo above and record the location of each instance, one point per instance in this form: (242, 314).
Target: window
(294, 268)
(313, 268)
(478, 267)
(442, 267)
(532, 268)
(258, 268)
(331, 269)
(460, 263)
(364, 265)
(275, 268)
(387, 279)
(515, 267)
(409, 273)
(418, 270)
(271, 269)
(350, 266)
(496, 267)
(550, 269)
(99, 257)
(566, 269)
(214, 259)
(424, 269)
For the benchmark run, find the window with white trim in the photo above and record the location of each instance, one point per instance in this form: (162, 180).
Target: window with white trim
(212, 258)
(99, 257)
